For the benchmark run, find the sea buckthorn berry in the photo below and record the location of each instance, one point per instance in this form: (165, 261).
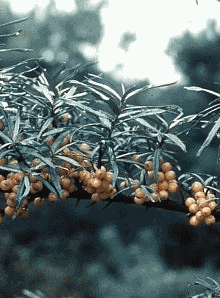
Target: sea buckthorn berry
(84, 147)
(36, 162)
(3, 161)
(160, 176)
(96, 183)
(206, 211)
(10, 203)
(135, 184)
(6, 185)
(86, 163)
(199, 215)
(140, 193)
(202, 202)
(65, 194)
(9, 211)
(209, 220)
(65, 118)
(199, 195)
(65, 182)
(122, 185)
(73, 173)
(197, 187)
(95, 198)
(163, 194)
(66, 140)
(148, 165)
(139, 201)
(19, 176)
(6, 195)
(194, 222)
(170, 175)
(32, 178)
(210, 196)
(150, 175)
(52, 197)
(38, 201)
(109, 177)
(32, 189)
(193, 208)
(172, 187)
(99, 174)
(72, 188)
(24, 203)
(12, 196)
(212, 205)
(189, 201)
(22, 213)
(38, 185)
(163, 185)
(154, 187)
(155, 196)
(166, 166)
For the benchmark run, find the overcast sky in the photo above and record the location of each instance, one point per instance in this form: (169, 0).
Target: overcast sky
(152, 21)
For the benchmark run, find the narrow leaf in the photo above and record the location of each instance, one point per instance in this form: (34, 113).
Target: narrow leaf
(210, 136)
(193, 88)
(17, 125)
(156, 162)
(176, 140)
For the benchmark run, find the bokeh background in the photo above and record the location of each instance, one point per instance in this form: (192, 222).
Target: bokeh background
(121, 251)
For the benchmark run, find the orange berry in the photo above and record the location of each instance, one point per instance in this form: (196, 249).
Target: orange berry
(22, 213)
(99, 174)
(161, 176)
(172, 187)
(194, 221)
(52, 197)
(109, 177)
(66, 140)
(12, 196)
(199, 195)
(202, 202)
(38, 202)
(163, 185)
(65, 194)
(3, 161)
(84, 147)
(95, 198)
(155, 196)
(150, 175)
(210, 196)
(206, 211)
(154, 187)
(199, 215)
(122, 185)
(212, 205)
(148, 165)
(166, 166)
(10, 203)
(65, 182)
(96, 183)
(32, 178)
(189, 201)
(19, 176)
(209, 220)
(163, 194)
(6, 184)
(2, 177)
(139, 201)
(36, 162)
(170, 175)
(140, 193)
(73, 173)
(197, 187)
(193, 208)
(38, 185)
(9, 211)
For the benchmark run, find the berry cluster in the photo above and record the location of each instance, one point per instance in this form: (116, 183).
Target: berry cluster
(95, 181)
(201, 205)
(166, 184)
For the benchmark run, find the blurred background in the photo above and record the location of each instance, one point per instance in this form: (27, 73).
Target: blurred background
(121, 251)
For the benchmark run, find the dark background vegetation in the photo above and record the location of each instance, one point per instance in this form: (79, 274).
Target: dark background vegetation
(121, 251)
